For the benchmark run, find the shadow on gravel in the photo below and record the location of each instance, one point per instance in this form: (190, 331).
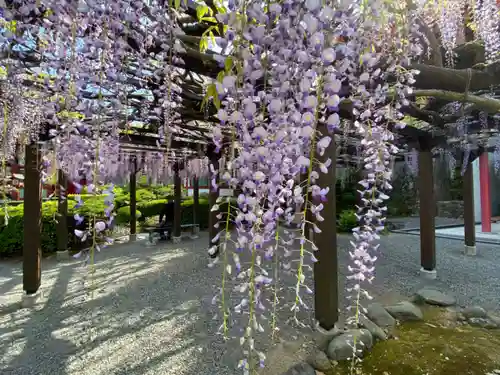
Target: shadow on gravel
(144, 313)
(150, 311)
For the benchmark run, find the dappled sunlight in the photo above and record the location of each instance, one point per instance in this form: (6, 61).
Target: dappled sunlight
(145, 313)
(133, 348)
(107, 276)
(12, 352)
(150, 312)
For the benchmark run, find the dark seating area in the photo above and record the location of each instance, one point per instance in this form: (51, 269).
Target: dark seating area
(165, 225)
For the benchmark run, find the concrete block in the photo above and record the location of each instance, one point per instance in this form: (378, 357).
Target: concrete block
(428, 275)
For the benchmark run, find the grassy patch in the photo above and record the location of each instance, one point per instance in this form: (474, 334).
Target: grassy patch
(437, 346)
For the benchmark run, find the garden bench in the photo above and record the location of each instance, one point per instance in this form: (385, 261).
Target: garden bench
(168, 229)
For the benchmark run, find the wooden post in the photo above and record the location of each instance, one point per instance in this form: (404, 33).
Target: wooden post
(326, 298)
(62, 211)
(469, 221)
(176, 236)
(196, 204)
(427, 212)
(212, 201)
(133, 202)
(32, 252)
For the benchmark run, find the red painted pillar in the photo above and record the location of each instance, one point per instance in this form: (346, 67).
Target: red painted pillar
(484, 187)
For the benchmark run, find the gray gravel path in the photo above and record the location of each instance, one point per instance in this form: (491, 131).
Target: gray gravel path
(473, 280)
(151, 310)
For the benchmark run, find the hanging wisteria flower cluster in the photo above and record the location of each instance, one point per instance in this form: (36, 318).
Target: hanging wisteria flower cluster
(291, 70)
(85, 52)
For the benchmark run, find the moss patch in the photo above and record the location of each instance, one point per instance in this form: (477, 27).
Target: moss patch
(437, 346)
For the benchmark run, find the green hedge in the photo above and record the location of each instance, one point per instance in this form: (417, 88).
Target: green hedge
(151, 208)
(123, 199)
(123, 215)
(187, 212)
(347, 221)
(11, 235)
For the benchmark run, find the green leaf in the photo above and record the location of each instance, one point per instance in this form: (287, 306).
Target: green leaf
(214, 28)
(11, 26)
(216, 101)
(214, 95)
(228, 63)
(203, 44)
(221, 76)
(211, 94)
(212, 90)
(74, 115)
(209, 19)
(220, 7)
(201, 10)
(212, 38)
(471, 25)
(177, 4)
(203, 104)
(209, 30)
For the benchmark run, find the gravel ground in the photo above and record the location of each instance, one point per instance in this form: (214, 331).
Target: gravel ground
(151, 311)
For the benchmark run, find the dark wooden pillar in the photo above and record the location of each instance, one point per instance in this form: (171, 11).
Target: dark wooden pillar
(427, 211)
(62, 211)
(133, 202)
(212, 201)
(177, 204)
(326, 297)
(196, 199)
(469, 220)
(32, 252)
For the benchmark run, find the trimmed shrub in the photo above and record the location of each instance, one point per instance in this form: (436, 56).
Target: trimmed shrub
(188, 212)
(163, 192)
(12, 234)
(123, 215)
(151, 208)
(122, 200)
(347, 221)
(12, 230)
(12, 237)
(144, 195)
